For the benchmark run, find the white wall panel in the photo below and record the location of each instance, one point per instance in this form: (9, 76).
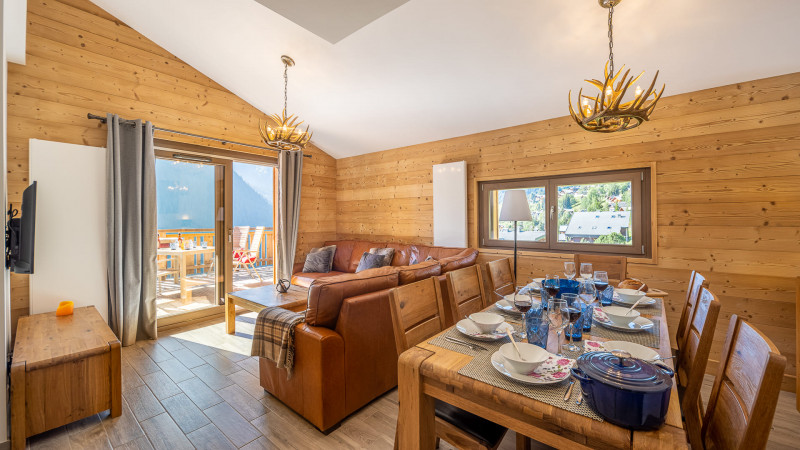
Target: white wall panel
(450, 204)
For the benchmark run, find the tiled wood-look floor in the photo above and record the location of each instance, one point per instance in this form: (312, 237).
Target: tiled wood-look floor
(196, 387)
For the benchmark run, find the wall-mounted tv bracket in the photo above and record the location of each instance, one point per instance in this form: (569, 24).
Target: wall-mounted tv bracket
(12, 234)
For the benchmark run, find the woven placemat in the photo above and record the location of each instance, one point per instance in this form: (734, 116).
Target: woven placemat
(650, 310)
(481, 369)
(649, 338)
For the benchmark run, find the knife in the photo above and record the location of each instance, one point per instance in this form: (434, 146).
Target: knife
(569, 390)
(580, 397)
(468, 344)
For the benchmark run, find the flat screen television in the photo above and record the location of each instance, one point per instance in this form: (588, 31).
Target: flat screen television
(21, 233)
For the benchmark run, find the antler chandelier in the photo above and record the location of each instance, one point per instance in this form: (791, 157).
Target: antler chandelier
(287, 134)
(606, 112)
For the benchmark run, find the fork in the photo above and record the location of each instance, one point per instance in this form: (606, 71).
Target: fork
(467, 344)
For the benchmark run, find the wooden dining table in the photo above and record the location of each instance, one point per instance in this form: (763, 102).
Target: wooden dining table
(178, 257)
(428, 372)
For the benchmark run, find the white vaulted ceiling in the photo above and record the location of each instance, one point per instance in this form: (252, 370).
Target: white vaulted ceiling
(433, 69)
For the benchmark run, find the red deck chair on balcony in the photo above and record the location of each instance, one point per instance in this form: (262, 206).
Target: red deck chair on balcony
(248, 258)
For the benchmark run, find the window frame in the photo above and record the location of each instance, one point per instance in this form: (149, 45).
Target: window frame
(641, 201)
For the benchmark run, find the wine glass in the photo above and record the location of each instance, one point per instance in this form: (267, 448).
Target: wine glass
(600, 283)
(556, 319)
(523, 300)
(586, 271)
(569, 269)
(571, 314)
(552, 284)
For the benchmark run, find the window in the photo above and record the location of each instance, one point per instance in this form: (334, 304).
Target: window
(600, 212)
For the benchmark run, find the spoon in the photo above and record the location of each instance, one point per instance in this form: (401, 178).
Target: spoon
(510, 336)
(661, 358)
(634, 306)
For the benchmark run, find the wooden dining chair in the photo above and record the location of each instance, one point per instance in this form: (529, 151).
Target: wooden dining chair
(615, 266)
(696, 283)
(465, 294)
(691, 364)
(745, 392)
(417, 314)
(501, 277)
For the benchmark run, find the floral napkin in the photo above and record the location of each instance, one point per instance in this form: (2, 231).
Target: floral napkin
(593, 346)
(600, 315)
(553, 369)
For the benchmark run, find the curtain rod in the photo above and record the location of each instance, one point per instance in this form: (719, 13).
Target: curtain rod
(166, 130)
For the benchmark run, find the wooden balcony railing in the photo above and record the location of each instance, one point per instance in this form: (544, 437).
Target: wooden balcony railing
(198, 235)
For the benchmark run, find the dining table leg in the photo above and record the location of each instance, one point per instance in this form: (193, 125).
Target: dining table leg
(186, 294)
(416, 425)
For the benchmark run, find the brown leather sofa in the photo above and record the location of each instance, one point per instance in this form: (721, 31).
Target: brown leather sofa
(345, 354)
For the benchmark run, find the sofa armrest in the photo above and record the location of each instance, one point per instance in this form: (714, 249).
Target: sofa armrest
(365, 324)
(465, 258)
(316, 390)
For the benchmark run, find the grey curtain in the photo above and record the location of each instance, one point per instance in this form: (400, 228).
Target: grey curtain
(290, 174)
(132, 230)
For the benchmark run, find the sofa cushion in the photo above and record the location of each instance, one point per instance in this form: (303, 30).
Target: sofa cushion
(341, 259)
(417, 272)
(404, 254)
(371, 261)
(359, 248)
(325, 295)
(386, 252)
(304, 279)
(319, 259)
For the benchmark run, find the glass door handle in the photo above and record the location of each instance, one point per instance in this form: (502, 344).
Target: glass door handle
(552, 211)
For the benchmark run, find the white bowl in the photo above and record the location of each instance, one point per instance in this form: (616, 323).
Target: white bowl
(629, 296)
(619, 315)
(533, 354)
(486, 322)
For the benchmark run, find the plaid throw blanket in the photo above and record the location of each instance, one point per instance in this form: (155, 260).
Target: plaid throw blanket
(273, 337)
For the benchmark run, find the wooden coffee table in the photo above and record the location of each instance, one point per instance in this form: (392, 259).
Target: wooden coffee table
(262, 297)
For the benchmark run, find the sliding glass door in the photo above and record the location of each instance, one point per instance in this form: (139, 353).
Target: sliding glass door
(191, 234)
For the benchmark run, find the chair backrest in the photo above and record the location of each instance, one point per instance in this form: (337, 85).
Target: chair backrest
(745, 392)
(240, 237)
(693, 359)
(501, 277)
(696, 283)
(467, 296)
(615, 266)
(255, 242)
(417, 312)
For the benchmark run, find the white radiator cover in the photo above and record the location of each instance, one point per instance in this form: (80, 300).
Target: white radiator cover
(71, 242)
(450, 204)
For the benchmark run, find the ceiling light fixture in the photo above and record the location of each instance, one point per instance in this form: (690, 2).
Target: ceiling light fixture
(606, 113)
(287, 135)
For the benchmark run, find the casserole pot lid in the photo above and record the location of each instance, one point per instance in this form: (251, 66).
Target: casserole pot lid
(618, 369)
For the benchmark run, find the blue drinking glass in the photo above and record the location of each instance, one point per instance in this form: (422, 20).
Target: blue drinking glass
(607, 296)
(537, 327)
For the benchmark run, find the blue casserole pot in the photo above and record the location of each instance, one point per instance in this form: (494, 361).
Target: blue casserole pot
(625, 391)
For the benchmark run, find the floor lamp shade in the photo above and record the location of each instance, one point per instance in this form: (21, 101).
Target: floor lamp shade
(515, 207)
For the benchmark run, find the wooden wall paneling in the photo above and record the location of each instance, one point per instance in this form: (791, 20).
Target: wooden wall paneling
(81, 59)
(726, 161)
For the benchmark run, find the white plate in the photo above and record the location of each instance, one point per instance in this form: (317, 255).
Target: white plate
(468, 328)
(646, 301)
(636, 350)
(550, 372)
(639, 324)
(507, 305)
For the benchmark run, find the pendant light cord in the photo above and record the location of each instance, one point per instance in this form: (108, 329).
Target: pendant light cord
(611, 40)
(285, 87)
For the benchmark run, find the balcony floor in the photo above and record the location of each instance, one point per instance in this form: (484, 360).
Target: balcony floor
(168, 295)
